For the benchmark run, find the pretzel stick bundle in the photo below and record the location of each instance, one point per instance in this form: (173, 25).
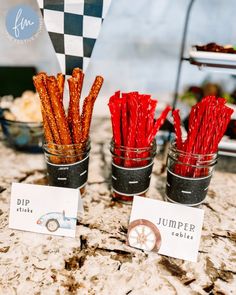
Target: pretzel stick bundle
(61, 120)
(88, 107)
(59, 129)
(41, 87)
(51, 132)
(58, 111)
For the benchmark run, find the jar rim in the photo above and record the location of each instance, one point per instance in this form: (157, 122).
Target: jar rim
(152, 146)
(59, 149)
(88, 142)
(174, 148)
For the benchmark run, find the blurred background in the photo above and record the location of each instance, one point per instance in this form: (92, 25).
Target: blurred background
(138, 46)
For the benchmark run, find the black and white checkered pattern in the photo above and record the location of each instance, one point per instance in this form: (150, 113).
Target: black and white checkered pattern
(73, 26)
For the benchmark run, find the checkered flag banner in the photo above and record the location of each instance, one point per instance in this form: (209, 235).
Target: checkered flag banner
(73, 26)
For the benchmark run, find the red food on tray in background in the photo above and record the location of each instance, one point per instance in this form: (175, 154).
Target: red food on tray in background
(214, 47)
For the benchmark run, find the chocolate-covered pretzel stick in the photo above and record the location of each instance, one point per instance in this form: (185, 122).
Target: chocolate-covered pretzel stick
(88, 107)
(40, 85)
(61, 82)
(58, 110)
(74, 106)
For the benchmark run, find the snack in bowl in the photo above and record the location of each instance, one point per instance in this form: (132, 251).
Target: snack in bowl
(21, 121)
(67, 135)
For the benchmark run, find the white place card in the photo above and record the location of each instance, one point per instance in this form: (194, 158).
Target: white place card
(169, 229)
(44, 209)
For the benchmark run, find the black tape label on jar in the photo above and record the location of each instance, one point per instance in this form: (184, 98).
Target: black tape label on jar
(72, 175)
(131, 181)
(189, 191)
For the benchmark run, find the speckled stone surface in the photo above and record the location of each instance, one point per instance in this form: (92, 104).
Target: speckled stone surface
(98, 261)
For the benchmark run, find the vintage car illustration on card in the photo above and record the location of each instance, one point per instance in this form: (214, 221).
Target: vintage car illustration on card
(55, 220)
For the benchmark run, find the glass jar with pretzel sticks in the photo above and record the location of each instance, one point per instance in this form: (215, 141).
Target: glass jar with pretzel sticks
(66, 132)
(67, 165)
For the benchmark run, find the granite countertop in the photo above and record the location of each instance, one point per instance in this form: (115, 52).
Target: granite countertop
(98, 261)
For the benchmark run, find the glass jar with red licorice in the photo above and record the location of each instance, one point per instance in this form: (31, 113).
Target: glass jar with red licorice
(131, 171)
(188, 176)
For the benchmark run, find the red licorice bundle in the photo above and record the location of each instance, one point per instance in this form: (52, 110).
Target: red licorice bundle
(208, 121)
(134, 126)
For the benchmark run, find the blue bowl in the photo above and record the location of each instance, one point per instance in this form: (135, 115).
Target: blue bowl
(25, 136)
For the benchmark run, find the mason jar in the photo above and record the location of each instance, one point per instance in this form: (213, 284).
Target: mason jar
(67, 165)
(131, 171)
(188, 176)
